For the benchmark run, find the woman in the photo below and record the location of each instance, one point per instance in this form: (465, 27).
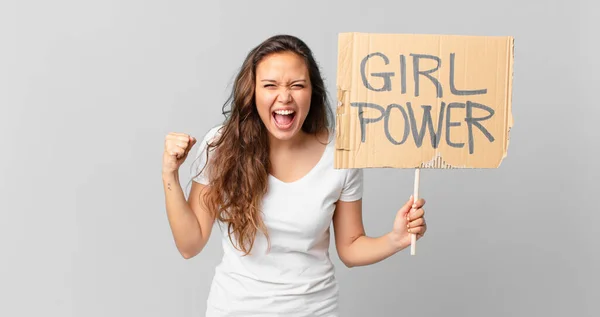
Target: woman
(266, 177)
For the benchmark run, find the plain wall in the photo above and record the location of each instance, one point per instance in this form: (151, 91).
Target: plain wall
(88, 91)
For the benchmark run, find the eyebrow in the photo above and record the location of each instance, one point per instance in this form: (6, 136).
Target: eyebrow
(293, 81)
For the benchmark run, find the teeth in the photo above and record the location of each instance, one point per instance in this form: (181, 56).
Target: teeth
(284, 112)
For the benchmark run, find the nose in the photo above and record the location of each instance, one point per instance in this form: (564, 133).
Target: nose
(285, 96)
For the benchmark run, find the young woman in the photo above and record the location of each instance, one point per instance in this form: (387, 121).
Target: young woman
(266, 177)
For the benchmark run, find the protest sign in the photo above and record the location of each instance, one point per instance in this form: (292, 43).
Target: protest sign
(423, 101)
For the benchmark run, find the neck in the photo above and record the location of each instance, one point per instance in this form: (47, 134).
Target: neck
(285, 145)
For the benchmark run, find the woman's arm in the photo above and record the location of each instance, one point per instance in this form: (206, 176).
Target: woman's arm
(190, 222)
(355, 248)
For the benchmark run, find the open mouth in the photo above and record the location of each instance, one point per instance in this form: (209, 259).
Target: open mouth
(284, 118)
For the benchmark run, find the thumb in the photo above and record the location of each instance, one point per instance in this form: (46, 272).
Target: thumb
(401, 220)
(190, 145)
(407, 206)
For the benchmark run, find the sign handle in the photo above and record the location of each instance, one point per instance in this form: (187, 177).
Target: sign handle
(413, 236)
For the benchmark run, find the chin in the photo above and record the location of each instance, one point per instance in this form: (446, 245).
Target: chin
(284, 135)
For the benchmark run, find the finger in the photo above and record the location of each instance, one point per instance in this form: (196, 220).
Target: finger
(172, 135)
(404, 210)
(417, 230)
(178, 136)
(422, 233)
(190, 146)
(182, 138)
(182, 144)
(176, 141)
(416, 223)
(191, 143)
(415, 213)
(176, 151)
(419, 203)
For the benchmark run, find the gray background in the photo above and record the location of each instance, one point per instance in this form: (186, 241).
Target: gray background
(88, 91)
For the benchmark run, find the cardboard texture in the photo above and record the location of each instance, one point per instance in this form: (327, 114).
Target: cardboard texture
(423, 101)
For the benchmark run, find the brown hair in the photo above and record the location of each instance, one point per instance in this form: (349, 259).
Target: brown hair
(240, 163)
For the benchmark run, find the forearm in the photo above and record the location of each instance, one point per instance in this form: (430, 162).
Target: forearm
(182, 220)
(367, 250)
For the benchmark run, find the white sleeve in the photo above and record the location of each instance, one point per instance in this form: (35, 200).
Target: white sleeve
(353, 185)
(199, 167)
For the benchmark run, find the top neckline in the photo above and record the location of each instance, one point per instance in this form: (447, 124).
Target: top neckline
(320, 162)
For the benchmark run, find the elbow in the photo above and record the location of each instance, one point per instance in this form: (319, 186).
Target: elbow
(189, 249)
(347, 262)
(188, 253)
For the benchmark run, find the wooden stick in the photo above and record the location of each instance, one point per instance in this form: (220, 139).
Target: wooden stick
(413, 236)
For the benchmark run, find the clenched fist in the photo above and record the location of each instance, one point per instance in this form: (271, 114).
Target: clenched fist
(177, 147)
(409, 219)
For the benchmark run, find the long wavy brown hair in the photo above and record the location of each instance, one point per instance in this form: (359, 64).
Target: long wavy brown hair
(239, 166)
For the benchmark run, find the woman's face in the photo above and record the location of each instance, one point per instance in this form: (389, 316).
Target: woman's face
(282, 94)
